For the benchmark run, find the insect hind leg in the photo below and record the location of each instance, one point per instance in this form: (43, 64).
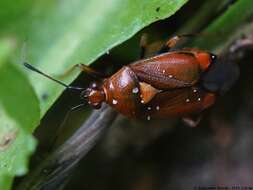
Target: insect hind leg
(172, 42)
(143, 45)
(192, 121)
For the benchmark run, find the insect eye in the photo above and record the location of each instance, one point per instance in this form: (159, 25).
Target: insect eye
(213, 57)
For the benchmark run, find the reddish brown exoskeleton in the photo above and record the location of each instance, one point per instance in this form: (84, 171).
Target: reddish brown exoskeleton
(181, 83)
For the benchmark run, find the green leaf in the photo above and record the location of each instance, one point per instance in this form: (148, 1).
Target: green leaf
(15, 145)
(77, 31)
(5, 182)
(13, 11)
(19, 115)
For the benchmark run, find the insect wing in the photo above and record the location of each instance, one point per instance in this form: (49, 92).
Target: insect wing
(178, 102)
(168, 71)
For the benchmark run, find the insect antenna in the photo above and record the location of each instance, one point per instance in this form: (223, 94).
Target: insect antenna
(66, 117)
(85, 93)
(32, 68)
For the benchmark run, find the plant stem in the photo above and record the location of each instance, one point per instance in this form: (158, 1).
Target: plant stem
(53, 173)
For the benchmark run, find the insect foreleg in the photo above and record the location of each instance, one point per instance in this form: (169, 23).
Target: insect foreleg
(83, 68)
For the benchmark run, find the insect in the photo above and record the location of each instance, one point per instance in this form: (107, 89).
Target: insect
(174, 83)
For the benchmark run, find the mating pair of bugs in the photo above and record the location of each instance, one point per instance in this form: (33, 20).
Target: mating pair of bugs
(174, 83)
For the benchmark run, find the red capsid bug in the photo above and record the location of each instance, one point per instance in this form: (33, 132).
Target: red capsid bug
(180, 83)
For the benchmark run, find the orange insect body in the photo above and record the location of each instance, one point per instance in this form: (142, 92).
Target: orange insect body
(161, 86)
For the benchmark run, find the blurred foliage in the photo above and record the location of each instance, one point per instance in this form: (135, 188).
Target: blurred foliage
(16, 142)
(219, 31)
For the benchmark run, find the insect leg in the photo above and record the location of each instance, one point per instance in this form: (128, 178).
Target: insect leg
(83, 68)
(192, 121)
(172, 42)
(143, 45)
(60, 127)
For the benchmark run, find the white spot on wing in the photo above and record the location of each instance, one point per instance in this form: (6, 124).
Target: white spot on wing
(135, 90)
(114, 102)
(94, 85)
